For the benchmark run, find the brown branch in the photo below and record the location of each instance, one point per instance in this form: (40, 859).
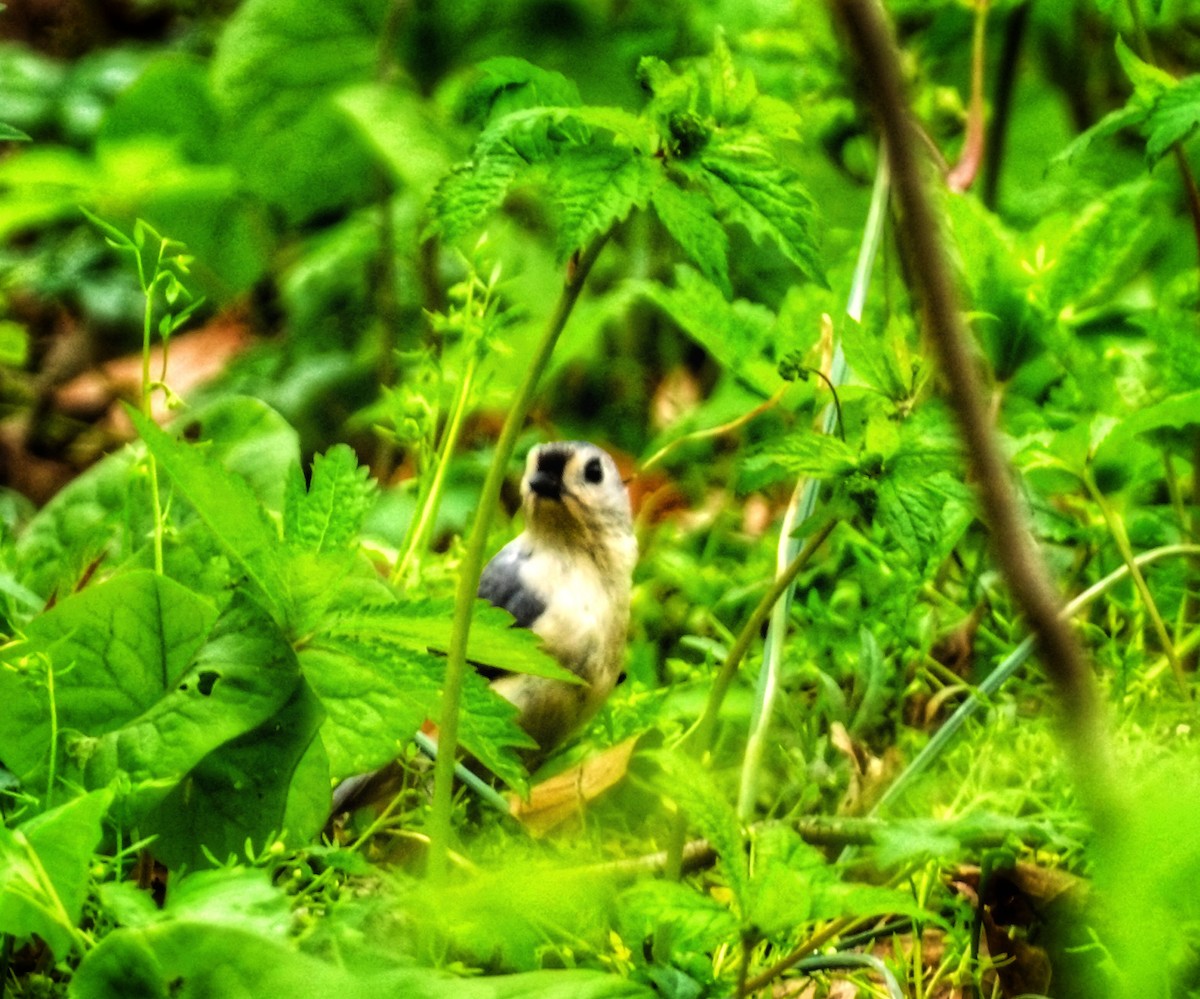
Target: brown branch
(870, 37)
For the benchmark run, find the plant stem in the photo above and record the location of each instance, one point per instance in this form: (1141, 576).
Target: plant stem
(1117, 529)
(52, 766)
(1082, 722)
(967, 169)
(472, 563)
(804, 502)
(705, 729)
(147, 394)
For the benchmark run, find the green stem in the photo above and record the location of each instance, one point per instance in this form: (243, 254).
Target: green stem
(53, 764)
(705, 730)
(1116, 528)
(472, 564)
(147, 395)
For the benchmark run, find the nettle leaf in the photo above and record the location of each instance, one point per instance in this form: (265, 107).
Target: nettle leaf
(471, 192)
(507, 84)
(1173, 117)
(813, 455)
(225, 503)
(425, 626)
(378, 693)
(594, 187)
(45, 869)
(755, 190)
(688, 217)
(1098, 249)
(114, 648)
(245, 672)
(329, 515)
(270, 783)
(874, 359)
(738, 334)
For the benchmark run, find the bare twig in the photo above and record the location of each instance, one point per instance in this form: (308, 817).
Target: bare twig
(870, 37)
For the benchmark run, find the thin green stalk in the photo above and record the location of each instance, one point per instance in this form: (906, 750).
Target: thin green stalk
(147, 394)
(803, 503)
(472, 563)
(52, 767)
(1116, 528)
(1000, 675)
(704, 731)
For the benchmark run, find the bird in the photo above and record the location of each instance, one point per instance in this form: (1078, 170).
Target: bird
(567, 577)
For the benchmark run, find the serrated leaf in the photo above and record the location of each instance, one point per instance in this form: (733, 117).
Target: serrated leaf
(114, 649)
(872, 358)
(917, 511)
(329, 515)
(507, 84)
(814, 455)
(769, 199)
(45, 871)
(738, 333)
(1173, 117)
(425, 626)
(594, 187)
(226, 505)
(688, 217)
(471, 192)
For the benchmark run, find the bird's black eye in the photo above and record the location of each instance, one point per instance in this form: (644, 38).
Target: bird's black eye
(593, 471)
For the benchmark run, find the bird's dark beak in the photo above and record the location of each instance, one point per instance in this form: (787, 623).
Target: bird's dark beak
(546, 484)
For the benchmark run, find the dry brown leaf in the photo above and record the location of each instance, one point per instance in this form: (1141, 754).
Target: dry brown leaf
(563, 796)
(869, 775)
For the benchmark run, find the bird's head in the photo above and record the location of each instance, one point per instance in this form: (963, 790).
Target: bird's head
(573, 492)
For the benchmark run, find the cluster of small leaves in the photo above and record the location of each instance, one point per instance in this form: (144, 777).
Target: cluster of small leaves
(704, 153)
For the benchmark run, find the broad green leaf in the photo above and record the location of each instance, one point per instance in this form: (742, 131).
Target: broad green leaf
(190, 959)
(923, 513)
(103, 514)
(225, 503)
(278, 67)
(872, 356)
(594, 187)
(270, 783)
(738, 334)
(425, 627)
(243, 675)
(378, 693)
(45, 869)
(329, 515)
(693, 919)
(1095, 256)
(688, 217)
(400, 127)
(113, 649)
(753, 189)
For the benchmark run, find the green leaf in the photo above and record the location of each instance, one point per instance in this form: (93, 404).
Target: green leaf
(243, 675)
(471, 192)
(755, 190)
(1102, 242)
(225, 503)
(114, 648)
(270, 783)
(329, 515)
(594, 187)
(45, 870)
(278, 67)
(738, 334)
(1173, 117)
(424, 626)
(688, 217)
(873, 358)
(506, 84)
(809, 453)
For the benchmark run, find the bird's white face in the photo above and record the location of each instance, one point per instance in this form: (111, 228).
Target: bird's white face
(573, 486)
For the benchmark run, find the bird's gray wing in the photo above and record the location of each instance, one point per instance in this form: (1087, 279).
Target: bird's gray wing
(502, 584)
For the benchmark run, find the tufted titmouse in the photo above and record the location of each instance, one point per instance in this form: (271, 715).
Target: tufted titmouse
(567, 577)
